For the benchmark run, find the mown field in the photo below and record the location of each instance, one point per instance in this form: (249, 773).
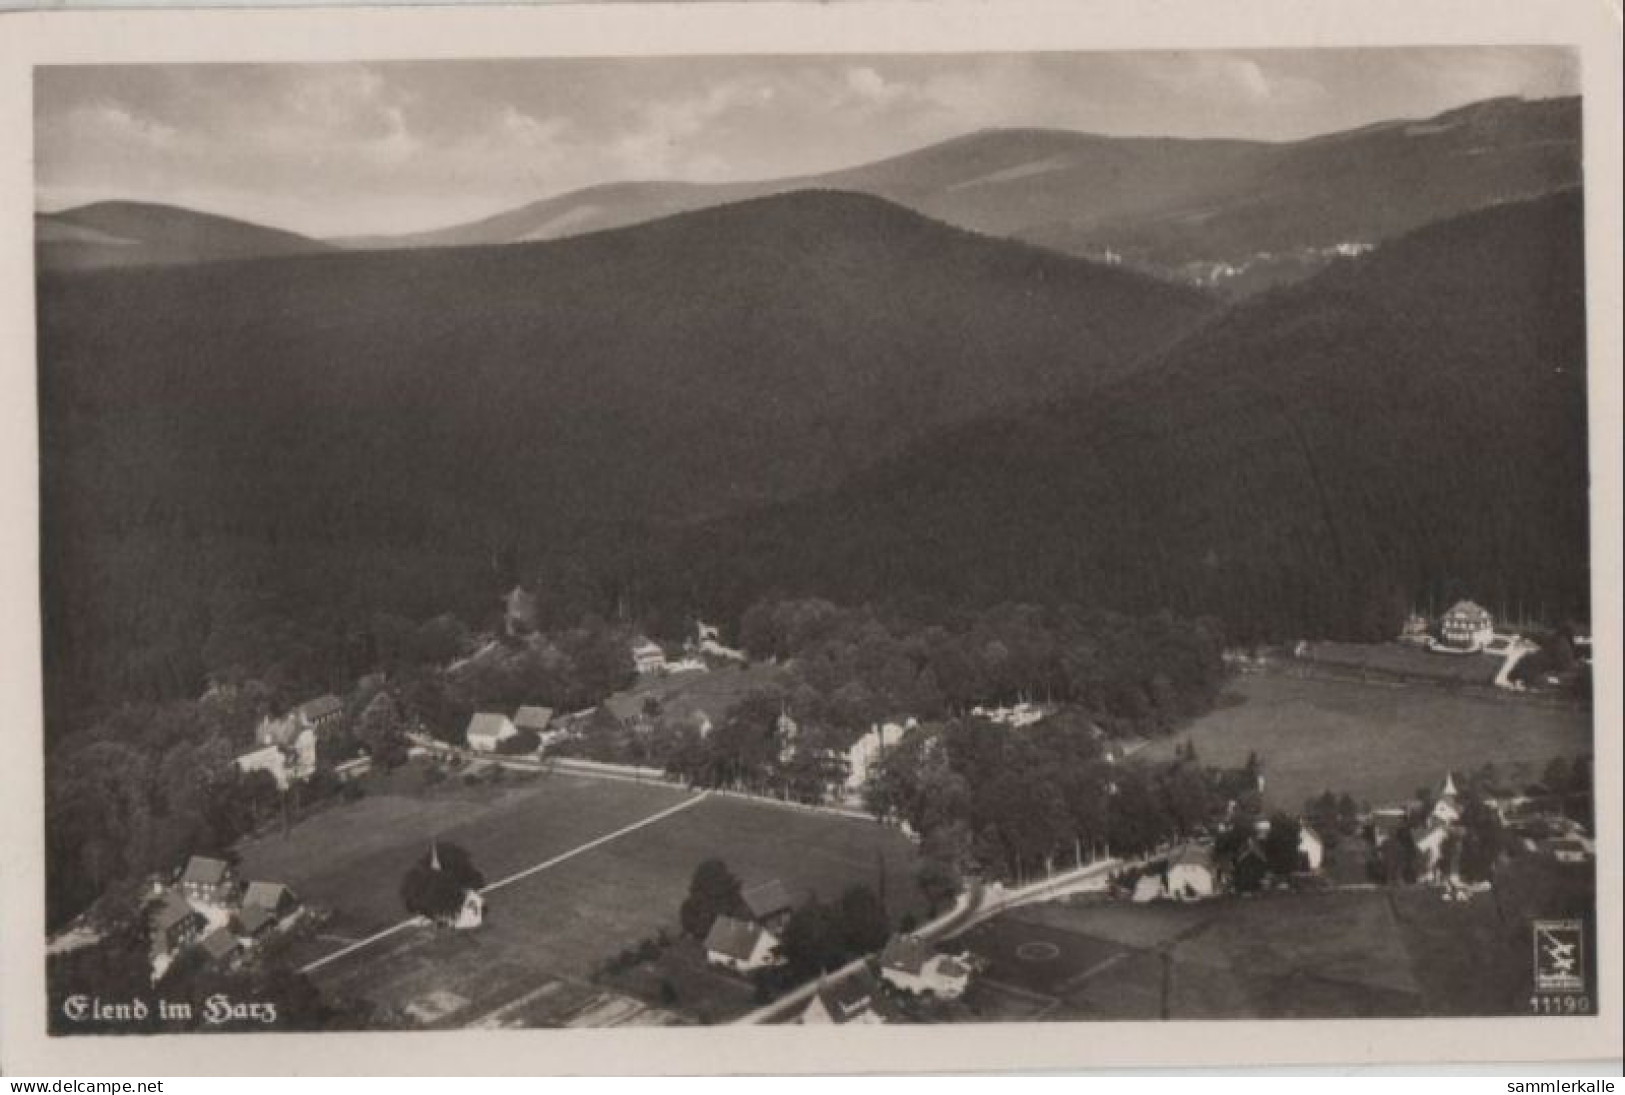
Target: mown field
(1335, 954)
(1377, 742)
(533, 961)
(1401, 659)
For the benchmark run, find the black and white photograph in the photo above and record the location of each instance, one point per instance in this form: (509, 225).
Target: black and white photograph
(816, 539)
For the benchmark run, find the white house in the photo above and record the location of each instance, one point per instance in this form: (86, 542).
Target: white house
(866, 753)
(911, 966)
(1311, 848)
(648, 656)
(1467, 625)
(740, 945)
(1190, 872)
(487, 730)
(472, 912)
(1148, 887)
(268, 759)
(1022, 714)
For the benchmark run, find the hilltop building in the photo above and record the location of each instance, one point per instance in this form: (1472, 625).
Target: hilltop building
(1467, 625)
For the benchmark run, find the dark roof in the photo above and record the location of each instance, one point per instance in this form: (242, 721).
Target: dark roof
(849, 997)
(734, 938)
(906, 953)
(266, 895)
(255, 917)
(219, 944)
(205, 871)
(321, 707)
(533, 718)
(767, 899)
(171, 911)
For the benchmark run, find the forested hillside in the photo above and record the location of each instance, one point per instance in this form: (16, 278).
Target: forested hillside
(246, 461)
(1406, 425)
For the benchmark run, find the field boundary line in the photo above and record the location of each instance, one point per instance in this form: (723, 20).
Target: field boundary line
(597, 842)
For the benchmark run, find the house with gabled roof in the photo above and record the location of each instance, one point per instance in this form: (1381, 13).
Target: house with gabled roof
(208, 879)
(488, 729)
(220, 946)
(175, 924)
(648, 656)
(254, 921)
(740, 945)
(274, 896)
(769, 903)
(1190, 872)
(848, 1000)
(910, 965)
(1467, 625)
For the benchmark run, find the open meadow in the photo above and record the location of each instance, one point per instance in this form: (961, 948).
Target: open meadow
(1334, 954)
(545, 935)
(1378, 742)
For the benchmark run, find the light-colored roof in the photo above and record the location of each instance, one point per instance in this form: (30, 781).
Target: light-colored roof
(205, 871)
(266, 895)
(488, 725)
(733, 938)
(1467, 608)
(533, 718)
(767, 898)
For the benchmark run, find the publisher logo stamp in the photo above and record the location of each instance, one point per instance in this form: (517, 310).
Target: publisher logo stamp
(1559, 956)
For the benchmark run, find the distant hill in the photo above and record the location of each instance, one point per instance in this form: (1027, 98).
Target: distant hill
(373, 426)
(1407, 424)
(1240, 215)
(121, 233)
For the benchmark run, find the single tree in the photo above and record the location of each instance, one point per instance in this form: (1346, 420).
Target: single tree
(713, 891)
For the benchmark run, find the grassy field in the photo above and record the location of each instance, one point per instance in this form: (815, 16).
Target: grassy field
(531, 964)
(1377, 742)
(1336, 954)
(1403, 659)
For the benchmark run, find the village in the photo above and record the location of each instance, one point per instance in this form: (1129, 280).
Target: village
(1231, 842)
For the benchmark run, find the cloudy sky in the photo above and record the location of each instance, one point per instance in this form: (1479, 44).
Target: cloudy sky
(348, 149)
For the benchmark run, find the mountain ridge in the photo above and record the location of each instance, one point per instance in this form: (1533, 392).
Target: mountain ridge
(129, 233)
(1237, 213)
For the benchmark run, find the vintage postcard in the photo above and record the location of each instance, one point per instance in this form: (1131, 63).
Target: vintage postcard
(923, 537)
